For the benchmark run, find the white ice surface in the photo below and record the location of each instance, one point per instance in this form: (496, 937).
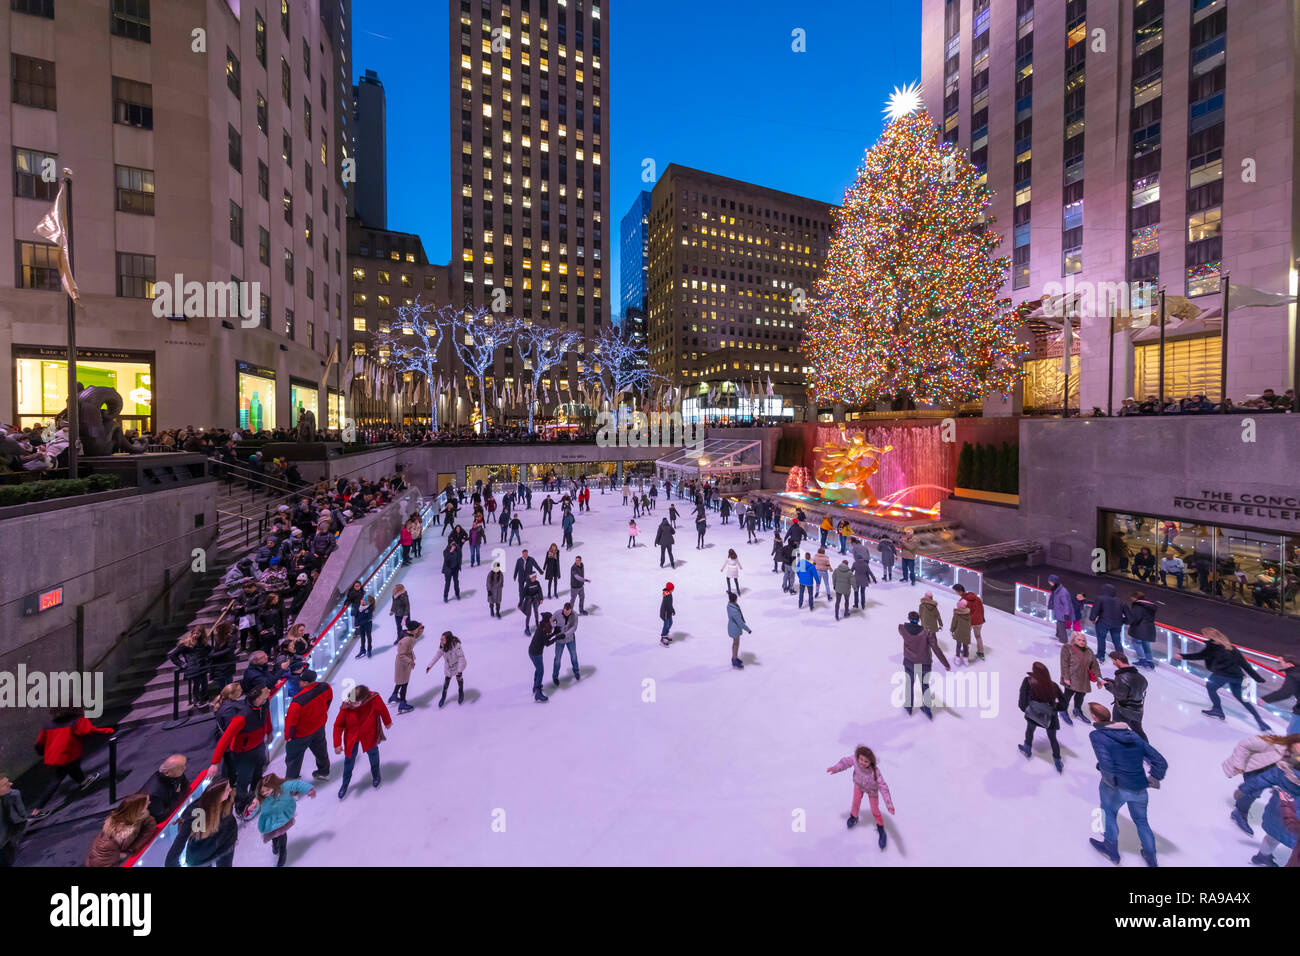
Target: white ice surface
(722, 765)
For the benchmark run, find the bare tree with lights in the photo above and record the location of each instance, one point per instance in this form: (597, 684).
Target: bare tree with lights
(617, 365)
(413, 341)
(476, 335)
(543, 348)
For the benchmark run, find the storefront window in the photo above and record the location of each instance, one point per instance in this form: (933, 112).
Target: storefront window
(256, 398)
(303, 398)
(1258, 569)
(41, 384)
(338, 411)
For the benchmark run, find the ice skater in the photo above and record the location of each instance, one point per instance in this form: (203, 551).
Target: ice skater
(866, 780)
(531, 601)
(400, 610)
(701, 525)
(666, 613)
(842, 584)
(664, 539)
(496, 582)
(631, 533)
(1122, 758)
(566, 636)
(735, 626)
(551, 570)
(452, 654)
(959, 626)
(358, 727)
(919, 649)
(806, 571)
(403, 664)
(578, 585)
(731, 570)
(1079, 671)
(543, 638)
(1227, 666)
(1041, 701)
(278, 804)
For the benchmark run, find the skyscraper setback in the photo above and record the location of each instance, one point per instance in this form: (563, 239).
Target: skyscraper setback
(529, 165)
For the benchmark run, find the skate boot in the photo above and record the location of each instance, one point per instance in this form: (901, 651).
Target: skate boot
(852, 822)
(1263, 859)
(737, 663)
(880, 831)
(1239, 818)
(1217, 714)
(1025, 749)
(1060, 767)
(1108, 850)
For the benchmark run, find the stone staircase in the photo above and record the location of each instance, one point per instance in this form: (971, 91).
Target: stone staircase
(147, 687)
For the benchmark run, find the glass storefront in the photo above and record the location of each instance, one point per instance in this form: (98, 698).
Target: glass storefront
(1259, 569)
(41, 383)
(256, 397)
(338, 411)
(306, 397)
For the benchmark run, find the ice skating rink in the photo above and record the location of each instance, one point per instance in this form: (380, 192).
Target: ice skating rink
(664, 756)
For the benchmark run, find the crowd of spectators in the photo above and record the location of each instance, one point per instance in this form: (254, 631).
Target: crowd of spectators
(32, 449)
(1267, 401)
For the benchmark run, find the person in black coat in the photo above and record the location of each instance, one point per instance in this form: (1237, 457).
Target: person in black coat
(664, 539)
(450, 570)
(221, 656)
(1129, 688)
(1290, 689)
(207, 831)
(1041, 700)
(543, 638)
(531, 600)
(167, 787)
(525, 565)
(1109, 615)
(666, 614)
(1141, 617)
(259, 673)
(1227, 666)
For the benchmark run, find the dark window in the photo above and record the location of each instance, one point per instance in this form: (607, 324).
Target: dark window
(132, 103)
(29, 168)
(259, 39)
(33, 82)
(286, 84)
(263, 246)
(236, 224)
(288, 266)
(235, 147)
(232, 72)
(37, 8)
(286, 146)
(134, 188)
(263, 181)
(135, 275)
(284, 16)
(130, 19)
(288, 323)
(38, 266)
(288, 207)
(265, 306)
(261, 111)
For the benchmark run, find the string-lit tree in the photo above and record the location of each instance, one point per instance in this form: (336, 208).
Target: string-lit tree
(617, 365)
(476, 334)
(907, 304)
(543, 348)
(412, 343)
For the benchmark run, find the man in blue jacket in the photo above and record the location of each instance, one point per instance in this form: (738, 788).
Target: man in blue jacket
(1122, 758)
(1061, 605)
(807, 574)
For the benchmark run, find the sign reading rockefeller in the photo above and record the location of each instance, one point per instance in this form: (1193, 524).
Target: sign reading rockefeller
(1250, 505)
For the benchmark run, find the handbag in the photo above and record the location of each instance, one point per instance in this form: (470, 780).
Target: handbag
(1040, 712)
(245, 621)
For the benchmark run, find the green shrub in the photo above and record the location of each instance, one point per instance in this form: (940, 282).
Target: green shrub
(30, 491)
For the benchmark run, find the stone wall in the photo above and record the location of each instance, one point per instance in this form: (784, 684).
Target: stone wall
(109, 558)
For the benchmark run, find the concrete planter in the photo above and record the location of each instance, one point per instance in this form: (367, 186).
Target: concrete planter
(989, 497)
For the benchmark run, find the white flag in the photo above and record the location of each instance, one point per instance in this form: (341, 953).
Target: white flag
(53, 228)
(1248, 297)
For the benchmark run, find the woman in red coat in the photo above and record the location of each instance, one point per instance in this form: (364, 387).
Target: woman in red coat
(360, 723)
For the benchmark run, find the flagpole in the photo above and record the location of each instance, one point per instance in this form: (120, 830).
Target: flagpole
(1161, 409)
(74, 425)
(1223, 352)
(1110, 366)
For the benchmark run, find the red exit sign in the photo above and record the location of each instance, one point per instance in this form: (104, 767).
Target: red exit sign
(42, 601)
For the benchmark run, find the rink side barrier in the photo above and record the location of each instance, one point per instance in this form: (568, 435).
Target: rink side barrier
(1031, 602)
(326, 650)
(935, 571)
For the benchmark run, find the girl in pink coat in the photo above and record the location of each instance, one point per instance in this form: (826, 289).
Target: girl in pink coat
(631, 534)
(866, 779)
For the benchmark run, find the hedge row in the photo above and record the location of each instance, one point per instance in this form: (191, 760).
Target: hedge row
(984, 467)
(55, 488)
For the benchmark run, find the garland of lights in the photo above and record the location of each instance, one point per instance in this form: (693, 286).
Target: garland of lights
(907, 303)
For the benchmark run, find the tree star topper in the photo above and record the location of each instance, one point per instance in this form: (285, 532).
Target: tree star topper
(902, 101)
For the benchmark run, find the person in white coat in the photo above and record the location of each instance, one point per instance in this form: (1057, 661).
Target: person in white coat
(452, 654)
(731, 570)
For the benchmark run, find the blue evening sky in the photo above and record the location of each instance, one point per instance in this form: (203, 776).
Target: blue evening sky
(712, 84)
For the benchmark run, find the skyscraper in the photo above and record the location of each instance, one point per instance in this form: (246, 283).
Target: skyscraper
(1133, 147)
(731, 264)
(634, 253)
(368, 197)
(529, 164)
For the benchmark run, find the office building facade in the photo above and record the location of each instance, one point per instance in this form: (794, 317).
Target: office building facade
(214, 169)
(1132, 147)
(530, 169)
(634, 253)
(368, 197)
(731, 265)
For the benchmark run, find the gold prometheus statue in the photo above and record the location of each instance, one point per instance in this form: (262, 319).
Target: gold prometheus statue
(849, 464)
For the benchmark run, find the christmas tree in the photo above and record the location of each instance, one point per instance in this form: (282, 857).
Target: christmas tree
(907, 306)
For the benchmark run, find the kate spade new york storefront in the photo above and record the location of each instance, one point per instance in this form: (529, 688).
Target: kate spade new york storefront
(41, 382)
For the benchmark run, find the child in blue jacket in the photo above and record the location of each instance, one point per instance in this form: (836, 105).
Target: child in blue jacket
(278, 804)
